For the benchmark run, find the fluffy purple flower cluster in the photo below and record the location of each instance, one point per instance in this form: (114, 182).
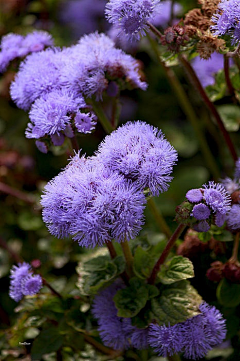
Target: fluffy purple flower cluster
(101, 198)
(56, 92)
(226, 19)
(132, 16)
(116, 332)
(22, 282)
(140, 153)
(17, 46)
(195, 337)
(206, 69)
(211, 201)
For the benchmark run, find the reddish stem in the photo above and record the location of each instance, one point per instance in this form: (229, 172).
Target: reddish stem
(4, 188)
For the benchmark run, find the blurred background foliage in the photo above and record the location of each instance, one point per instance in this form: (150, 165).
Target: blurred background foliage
(24, 171)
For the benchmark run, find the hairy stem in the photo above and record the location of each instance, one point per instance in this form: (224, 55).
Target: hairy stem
(101, 116)
(159, 218)
(234, 257)
(128, 257)
(165, 252)
(196, 82)
(188, 109)
(54, 292)
(4, 188)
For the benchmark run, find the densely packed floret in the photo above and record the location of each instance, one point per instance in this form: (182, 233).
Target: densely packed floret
(195, 337)
(132, 17)
(23, 282)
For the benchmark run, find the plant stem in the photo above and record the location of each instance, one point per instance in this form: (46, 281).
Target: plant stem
(16, 193)
(196, 82)
(234, 257)
(74, 143)
(159, 218)
(189, 111)
(98, 346)
(128, 257)
(165, 252)
(54, 292)
(101, 116)
(111, 249)
(230, 87)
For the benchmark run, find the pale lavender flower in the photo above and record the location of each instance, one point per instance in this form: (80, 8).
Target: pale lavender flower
(201, 211)
(202, 226)
(231, 185)
(140, 153)
(23, 282)
(132, 16)
(31, 285)
(36, 41)
(217, 197)
(41, 146)
(194, 195)
(233, 218)
(85, 122)
(164, 15)
(226, 19)
(92, 204)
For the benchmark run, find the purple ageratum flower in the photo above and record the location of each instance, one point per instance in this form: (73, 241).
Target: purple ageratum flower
(164, 15)
(30, 84)
(217, 197)
(195, 337)
(202, 226)
(231, 185)
(165, 340)
(92, 204)
(139, 338)
(233, 218)
(201, 211)
(51, 113)
(31, 285)
(22, 282)
(206, 69)
(194, 195)
(226, 19)
(220, 219)
(132, 17)
(85, 122)
(237, 169)
(16, 46)
(140, 153)
(114, 331)
(41, 146)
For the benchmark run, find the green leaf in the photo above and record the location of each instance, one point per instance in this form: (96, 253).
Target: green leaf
(177, 303)
(49, 340)
(204, 236)
(228, 294)
(143, 263)
(230, 115)
(130, 300)
(98, 271)
(224, 236)
(177, 269)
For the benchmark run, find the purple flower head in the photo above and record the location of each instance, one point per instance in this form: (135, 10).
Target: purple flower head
(85, 122)
(206, 69)
(217, 197)
(226, 19)
(16, 46)
(114, 331)
(164, 15)
(92, 204)
(220, 219)
(51, 113)
(141, 154)
(41, 146)
(31, 285)
(195, 337)
(237, 169)
(30, 84)
(194, 195)
(139, 338)
(230, 185)
(201, 211)
(233, 218)
(22, 282)
(132, 16)
(201, 226)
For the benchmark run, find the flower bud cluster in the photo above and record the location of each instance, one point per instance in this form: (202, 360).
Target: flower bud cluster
(229, 270)
(205, 206)
(23, 282)
(174, 37)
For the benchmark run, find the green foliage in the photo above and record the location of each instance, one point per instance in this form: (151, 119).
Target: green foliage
(228, 294)
(176, 269)
(144, 260)
(130, 300)
(47, 341)
(176, 303)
